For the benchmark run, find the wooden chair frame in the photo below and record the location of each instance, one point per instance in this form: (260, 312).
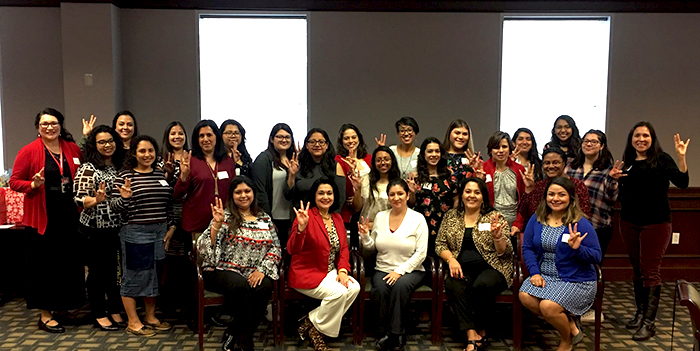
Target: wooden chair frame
(688, 297)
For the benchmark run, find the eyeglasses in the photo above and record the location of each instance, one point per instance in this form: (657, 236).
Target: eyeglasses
(592, 142)
(383, 160)
(105, 142)
(406, 131)
(283, 137)
(316, 142)
(230, 132)
(48, 124)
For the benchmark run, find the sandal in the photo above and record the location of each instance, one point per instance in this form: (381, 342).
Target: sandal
(483, 343)
(472, 342)
(575, 339)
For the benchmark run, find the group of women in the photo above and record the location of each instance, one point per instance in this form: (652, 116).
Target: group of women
(141, 202)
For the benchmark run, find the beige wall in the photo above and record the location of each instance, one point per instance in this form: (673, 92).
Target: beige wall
(367, 68)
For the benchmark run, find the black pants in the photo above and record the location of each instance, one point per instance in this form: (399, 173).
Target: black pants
(604, 237)
(245, 304)
(473, 297)
(103, 262)
(282, 226)
(392, 300)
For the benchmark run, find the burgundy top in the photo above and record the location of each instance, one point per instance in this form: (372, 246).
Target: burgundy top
(198, 191)
(528, 202)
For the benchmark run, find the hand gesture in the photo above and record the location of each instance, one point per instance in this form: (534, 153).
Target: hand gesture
(681, 147)
(351, 161)
(537, 280)
(478, 166)
(255, 278)
(125, 190)
(412, 185)
(38, 179)
(363, 226)
(169, 164)
(355, 180)
(381, 141)
(575, 238)
(496, 227)
(217, 211)
(235, 154)
(168, 236)
(455, 269)
(88, 125)
(343, 279)
(515, 153)
(100, 194)
(302, 216)
(391, 278)
(616, 171)
(472, 157)
(528, 177)
(185, 166)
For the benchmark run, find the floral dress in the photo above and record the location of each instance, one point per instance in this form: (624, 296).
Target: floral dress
(433, 199)
(459, 165)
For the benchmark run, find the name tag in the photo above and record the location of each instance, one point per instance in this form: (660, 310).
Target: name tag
(484, 227)
(565, 238)
(488, 178)
(427, 186)
(263, 225)
(238, 171)
(163, 182)
(76, 161)
(414, 163)
(464, 161)
(222, 175)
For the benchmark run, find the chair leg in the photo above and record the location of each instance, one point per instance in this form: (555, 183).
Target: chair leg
(597, 328)
(200, 323)
(517, 325)
(436, 321)
(361, 318)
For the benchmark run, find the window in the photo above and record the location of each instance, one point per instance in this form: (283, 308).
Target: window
(253, 70)
(554, 66)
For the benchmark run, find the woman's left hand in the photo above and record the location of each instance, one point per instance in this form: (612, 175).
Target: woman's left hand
(496, 228)
(391, 278)
(101, 193)
(412, 185)
(681, 147)
(343, 279)
(255, 278)
(575, 238)
(168, 236)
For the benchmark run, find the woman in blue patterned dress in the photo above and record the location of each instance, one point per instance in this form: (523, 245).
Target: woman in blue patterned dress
(560, 260)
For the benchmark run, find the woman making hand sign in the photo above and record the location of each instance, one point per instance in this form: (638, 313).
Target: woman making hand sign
(241, 252)
(400, 237)
(473, 240)
(320, 264)
(560, 260)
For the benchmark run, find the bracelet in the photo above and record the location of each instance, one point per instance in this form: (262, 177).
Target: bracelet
(451, 257)
(343, 270)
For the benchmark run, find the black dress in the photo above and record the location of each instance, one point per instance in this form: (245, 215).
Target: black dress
(55, 260)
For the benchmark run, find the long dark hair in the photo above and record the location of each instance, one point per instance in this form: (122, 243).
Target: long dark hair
(374, 175)
(605, 157)
(652, 153)
(306, 161)
(532, 155)
(130, 161)
(126, 113)
(458, 123)
(271, 147)
(574, 142)
(236, 218)
(422, 166)
(93, 156)
(167, 148)
(573, 212)
(245, 156)
(486, 206)
(65, 134)
(219, 148)
(311, 195)
(361, 146)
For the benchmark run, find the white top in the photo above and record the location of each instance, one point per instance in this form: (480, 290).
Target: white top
(402, 251)
(406, 165)
(281, 207)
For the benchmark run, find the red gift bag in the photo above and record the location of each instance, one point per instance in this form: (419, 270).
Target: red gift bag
(14, 202)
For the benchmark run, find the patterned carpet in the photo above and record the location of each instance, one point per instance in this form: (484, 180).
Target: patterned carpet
(18, 331)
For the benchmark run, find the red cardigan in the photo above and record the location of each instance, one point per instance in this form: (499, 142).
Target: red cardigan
(311, 248)
(29, 161)
(347, 211)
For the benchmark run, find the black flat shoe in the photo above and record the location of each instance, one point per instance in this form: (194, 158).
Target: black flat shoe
(121, 324)
(51, 329)
(110, 327)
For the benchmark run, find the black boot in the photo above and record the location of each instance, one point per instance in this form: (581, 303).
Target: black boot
(401, 343)
(640, 298)
(387, 343)
(648, 328)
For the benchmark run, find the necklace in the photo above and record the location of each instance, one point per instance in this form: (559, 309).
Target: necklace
(214, 175)
(326, 217)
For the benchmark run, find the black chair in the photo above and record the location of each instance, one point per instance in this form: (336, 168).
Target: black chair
(690, 298)
(205, 297)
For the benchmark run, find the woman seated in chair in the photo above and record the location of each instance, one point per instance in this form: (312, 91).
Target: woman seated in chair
(320, 262)
(560, 259)
(474, 241)
(400, 237)
(241, 254)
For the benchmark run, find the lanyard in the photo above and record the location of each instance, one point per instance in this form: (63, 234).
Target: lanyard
(215, 175)
(60, 157)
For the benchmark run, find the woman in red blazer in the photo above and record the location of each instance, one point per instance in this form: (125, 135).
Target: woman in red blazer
(44, 171)
(320, 265)
(511, 186)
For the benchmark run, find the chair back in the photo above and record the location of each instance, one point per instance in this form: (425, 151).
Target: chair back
(689, 297)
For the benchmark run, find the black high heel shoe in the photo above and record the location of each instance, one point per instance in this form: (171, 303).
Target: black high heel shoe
(58, 328)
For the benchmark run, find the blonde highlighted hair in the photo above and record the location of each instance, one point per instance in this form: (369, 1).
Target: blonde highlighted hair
(573, 212)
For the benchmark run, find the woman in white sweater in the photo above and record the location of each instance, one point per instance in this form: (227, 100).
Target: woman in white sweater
(400, 237)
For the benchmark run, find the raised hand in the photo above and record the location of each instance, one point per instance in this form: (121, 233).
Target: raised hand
(38, 179)
(88, 125)
(302, 216)
(100, 194)
(381, 141)
(363, 226)
(293, 165)
(528, 178)
(169, 164)
(478, 165)
(681, 147)
(125, 190)
(496, 228)
(217, 211)
(537, 280)
(575, 238)
(412, 185)
(356, 180)
(352, 162)
(616, 172)
(185, 165)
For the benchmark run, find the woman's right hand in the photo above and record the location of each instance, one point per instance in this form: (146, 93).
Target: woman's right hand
(528, 178)
(537, 280)
(217, 211)
(455, 269)
(88, 125)
(302, 216)
(185, 166)
(125, 190)
(38, 179)
(381, 141)
(292, 165)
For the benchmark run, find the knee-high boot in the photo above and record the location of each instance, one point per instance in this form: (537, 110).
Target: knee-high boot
(640, 298)
(648, 327)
